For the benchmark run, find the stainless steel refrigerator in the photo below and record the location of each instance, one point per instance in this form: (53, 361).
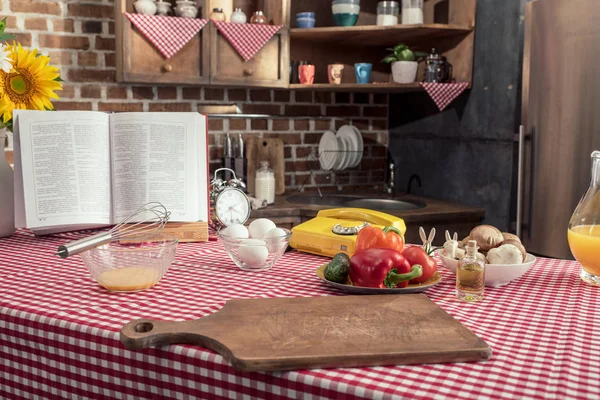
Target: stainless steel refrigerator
(561, 118)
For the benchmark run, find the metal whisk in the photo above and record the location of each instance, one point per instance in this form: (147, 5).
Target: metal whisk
(148, 220)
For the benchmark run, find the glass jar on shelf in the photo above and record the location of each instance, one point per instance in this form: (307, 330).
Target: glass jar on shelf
(412, 12)
(218, 15)
(259, 18)
(584, 228)
(238, 16)
(387, 13)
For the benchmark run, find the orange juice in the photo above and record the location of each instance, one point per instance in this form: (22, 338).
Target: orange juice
(129, 279)
(584, 241)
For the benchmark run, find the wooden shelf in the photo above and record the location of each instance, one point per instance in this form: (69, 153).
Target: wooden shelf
(373, 35)
(355, 87)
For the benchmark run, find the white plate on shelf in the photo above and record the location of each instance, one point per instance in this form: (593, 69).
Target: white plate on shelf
(360, 146)
(328, 147)
(348, 155)
(341, 156)
(347, 132)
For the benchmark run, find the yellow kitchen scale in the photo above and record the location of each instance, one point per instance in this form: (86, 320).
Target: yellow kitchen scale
(334, 231)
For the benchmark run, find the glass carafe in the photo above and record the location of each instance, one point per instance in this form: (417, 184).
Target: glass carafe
(584, 228)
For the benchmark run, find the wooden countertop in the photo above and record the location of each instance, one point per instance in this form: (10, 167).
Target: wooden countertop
(435, 210)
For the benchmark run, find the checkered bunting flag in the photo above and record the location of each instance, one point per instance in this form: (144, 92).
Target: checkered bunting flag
(167, 34)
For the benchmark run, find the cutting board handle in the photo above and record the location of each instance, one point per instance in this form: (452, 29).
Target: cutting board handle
(143, 333)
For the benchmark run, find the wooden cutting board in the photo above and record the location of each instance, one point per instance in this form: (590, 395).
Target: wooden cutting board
(320, 332)
(270, 150)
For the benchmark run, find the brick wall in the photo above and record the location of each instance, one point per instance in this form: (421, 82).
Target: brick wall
(79, 37)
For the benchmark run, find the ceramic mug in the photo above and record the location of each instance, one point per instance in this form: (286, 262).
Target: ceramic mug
(307, 74)
(334, 72)
(363, 72)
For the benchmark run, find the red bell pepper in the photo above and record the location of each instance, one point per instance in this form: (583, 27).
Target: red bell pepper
(372, 237)
(381, 268)
(417, 255)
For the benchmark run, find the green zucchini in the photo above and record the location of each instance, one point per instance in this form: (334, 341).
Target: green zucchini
(338, 268)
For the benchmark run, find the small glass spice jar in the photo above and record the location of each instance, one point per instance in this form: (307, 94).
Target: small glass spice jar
(470, 275)
(217, 15)
(238, 16)
(258, 18)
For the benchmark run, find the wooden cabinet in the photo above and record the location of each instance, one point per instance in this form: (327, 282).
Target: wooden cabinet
(140, 62)
(268, 68)
(208, 58)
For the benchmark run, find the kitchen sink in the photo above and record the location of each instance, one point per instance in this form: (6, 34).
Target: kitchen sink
(326, 200)
(340, 200)
(385, 204)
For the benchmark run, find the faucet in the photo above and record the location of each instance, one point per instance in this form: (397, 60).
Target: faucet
(410, 181)
(390, 187)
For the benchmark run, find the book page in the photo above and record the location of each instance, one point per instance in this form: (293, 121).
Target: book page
(64, 168)
(160, 157)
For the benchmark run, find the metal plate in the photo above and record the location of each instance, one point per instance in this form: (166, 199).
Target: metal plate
(411, 288)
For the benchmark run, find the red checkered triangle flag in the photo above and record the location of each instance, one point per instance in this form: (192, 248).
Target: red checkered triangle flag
(444, 93)
(247, 39)
(167, 34)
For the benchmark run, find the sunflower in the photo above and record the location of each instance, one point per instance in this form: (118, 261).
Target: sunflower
(29, 85)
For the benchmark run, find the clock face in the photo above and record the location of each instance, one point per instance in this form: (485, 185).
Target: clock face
(232, 207)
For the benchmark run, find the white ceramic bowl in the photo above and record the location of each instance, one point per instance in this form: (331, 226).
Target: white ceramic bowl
(496, 275)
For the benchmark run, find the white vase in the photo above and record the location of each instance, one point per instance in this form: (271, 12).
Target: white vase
(404, 71)
(7, 192)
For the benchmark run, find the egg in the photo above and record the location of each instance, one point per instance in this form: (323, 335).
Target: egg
(259, 227)
(253, 252)
(274, 244)
(237, 231)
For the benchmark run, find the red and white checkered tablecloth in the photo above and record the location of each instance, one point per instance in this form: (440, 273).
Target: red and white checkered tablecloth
(247, 39)
(59, 333)
(167, 34)
(444, 93)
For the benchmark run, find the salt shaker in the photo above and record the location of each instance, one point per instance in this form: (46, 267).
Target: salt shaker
(238, 16)
(264, 184)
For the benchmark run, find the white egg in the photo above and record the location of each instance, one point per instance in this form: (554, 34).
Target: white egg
(237, 231)
(259, 227)
(275, 232)
(253, 252)
(274, 243)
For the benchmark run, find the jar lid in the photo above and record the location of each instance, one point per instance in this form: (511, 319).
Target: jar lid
(217, 10)
(258, 13)
(388, 4)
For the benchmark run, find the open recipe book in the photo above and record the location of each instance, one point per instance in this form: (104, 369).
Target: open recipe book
(83, 169)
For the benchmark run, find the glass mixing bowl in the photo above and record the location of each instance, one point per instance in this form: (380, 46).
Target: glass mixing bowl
(131, 265)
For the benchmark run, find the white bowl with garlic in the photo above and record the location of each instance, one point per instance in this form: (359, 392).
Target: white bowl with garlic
(503, 253)
(257, 247)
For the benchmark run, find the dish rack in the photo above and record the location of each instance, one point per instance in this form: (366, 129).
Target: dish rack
(314, 165)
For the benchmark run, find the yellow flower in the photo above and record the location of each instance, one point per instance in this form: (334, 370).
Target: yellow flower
(29, 85)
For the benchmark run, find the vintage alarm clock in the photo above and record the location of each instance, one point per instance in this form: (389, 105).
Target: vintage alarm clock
(229, 203)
